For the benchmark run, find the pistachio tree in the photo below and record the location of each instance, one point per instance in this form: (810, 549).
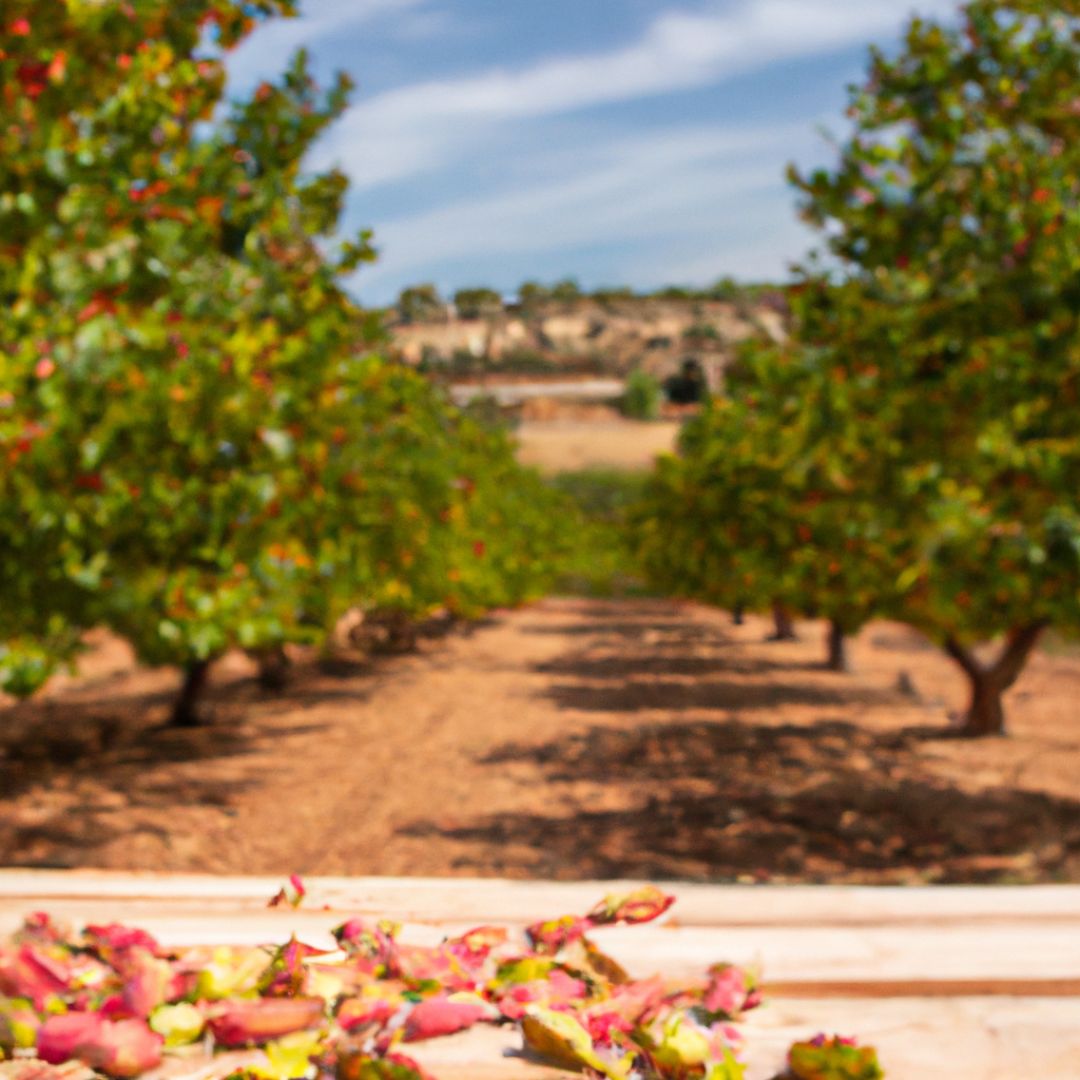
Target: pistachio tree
(766, 504)
(953, 219)
(203, 452)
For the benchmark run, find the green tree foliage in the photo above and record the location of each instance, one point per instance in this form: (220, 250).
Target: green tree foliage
(954, 214)
(420, 303)
(477, 303)
(762, 509)
(914, 452)
(567, 291)
(532, 296)
(201, 451)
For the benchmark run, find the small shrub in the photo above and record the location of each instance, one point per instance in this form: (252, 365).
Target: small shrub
(641, 399)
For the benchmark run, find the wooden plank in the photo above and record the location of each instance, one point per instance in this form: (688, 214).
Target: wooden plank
(922, 988)
(972, 983)
(971, 1038)
(986, 952)
(519, 902)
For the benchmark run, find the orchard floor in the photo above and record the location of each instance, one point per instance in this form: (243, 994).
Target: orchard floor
(572, 739)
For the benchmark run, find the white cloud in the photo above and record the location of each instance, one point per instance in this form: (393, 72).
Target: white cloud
(404, 131)
(676, 193)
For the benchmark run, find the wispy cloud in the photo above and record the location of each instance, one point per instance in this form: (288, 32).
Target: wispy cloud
(413, 128)
(675, 191)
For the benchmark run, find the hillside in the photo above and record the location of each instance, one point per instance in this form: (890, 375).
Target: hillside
(588, 334)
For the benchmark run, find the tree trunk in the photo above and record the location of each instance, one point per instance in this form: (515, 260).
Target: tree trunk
(986, 712)
(737, 615)
(186, 712)
(784, 628)
(988, 682)
(273, 668)
(837, 641)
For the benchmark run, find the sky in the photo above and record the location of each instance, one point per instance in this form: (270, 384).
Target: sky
(635, 143)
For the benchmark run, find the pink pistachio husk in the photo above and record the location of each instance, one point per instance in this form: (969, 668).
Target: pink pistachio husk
(122, 1048)
(292, 894)
(475, 946)
(148, 981)
(438, 1016)
(730, 992)
(371, 943)
(30, 972)
(376, 1005)
(238, 1023)
(419, 964)
(636, 1002)
(642, 905)
(559, 991)
(38, 928)
(16, 1014)
(604, 1025)
(289, 973)
(823, 1058)
(110, 941)
(551, 935)
(360, 1065)
(822, 1040)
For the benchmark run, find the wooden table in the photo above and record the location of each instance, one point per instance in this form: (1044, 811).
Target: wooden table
(963, 983)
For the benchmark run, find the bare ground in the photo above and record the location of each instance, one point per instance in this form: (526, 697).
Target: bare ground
(567, 444)
(572, 739)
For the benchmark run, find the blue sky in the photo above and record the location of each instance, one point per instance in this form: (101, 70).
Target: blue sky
(621, 142)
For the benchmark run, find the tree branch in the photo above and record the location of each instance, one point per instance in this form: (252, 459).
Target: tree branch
(1006, 669)
(963, 657)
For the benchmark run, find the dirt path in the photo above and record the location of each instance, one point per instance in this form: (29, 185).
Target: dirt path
(573, 739)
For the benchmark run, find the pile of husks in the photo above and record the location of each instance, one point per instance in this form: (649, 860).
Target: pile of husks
(113, 1001)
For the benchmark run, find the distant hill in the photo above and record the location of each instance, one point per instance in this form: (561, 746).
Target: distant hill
(596, 334)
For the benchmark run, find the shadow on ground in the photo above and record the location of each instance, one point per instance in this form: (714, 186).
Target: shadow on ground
(716, 787)
(92, 773)
(730, 800)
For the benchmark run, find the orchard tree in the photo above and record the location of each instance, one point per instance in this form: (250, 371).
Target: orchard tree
(763, 508)
(707, 527)
(170, 326)
(954, 217)
(201, 452)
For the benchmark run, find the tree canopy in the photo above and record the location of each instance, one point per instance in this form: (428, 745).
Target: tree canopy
(203, 449)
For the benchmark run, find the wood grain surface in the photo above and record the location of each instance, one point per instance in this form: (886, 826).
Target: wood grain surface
(969, 983)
